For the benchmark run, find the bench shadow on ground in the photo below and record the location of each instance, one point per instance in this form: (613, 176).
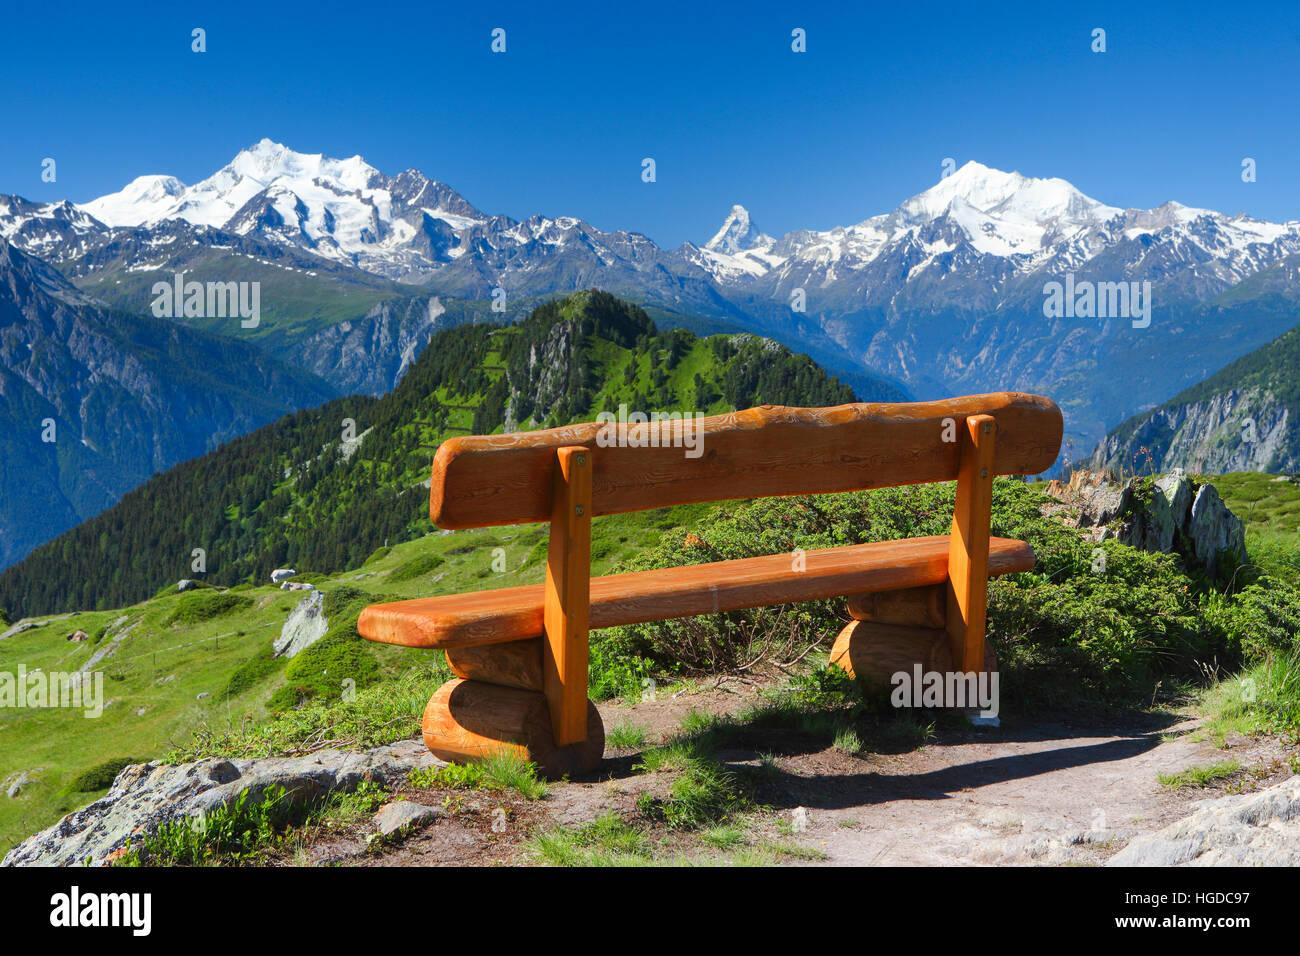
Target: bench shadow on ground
(822, 778)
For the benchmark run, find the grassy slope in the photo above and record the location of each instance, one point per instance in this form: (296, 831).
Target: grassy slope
(150, 669)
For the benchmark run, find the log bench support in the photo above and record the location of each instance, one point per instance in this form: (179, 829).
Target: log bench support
(942, 628)
(530, 696)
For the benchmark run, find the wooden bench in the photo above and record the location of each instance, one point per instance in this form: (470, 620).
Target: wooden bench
(520, 653)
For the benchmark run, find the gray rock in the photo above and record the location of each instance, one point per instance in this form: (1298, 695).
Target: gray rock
(202, 695)
(17, 782)
(1171, 501)
(1213, 528)
(1253, 829)
(146, 795)
(306, 625)
(20, 627)
(282, 574)
(1178, 517)
(186, 584)
(1103, 504)
(403, 815)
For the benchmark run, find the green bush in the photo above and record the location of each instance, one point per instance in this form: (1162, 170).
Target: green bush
(253, 671)
(100, 776)
(415, 568)
(341, 655)
(345, 600)
(1262, 619)
(1061, 632)
(205, 606)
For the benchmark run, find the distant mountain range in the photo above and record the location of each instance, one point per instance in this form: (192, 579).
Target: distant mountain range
(943, 295)
(322, 489)
(93, 401)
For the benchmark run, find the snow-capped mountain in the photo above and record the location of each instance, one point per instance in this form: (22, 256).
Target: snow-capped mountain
(345, 210)
(944, 294)
(1028, 225)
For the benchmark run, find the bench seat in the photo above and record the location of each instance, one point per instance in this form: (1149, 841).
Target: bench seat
(511, 614)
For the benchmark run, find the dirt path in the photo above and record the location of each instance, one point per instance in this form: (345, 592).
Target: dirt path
(1046, 795)
(1030, 794)
(1019, 794)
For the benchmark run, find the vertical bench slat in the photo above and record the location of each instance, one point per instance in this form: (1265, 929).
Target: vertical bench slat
(968, 556)
(566, 610)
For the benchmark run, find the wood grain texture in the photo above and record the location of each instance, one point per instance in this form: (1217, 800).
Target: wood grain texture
(485, 480)
(874, 652)
(466, 720)
(511, 614)
(968, 560)
(566, 595)
(512, 664)
(919, 607)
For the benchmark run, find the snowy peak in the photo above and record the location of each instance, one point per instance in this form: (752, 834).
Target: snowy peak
(343, 209)
(738, 233)
(1006, 196)
(145, 199)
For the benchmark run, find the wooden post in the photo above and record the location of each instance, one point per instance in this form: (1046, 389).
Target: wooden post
(568, 595)
(968, 555)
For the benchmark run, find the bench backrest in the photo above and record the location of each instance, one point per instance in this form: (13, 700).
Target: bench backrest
(484, 480)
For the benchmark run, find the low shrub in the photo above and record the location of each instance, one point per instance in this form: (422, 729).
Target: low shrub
(195, 608)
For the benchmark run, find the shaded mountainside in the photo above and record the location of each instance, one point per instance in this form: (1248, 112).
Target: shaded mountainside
(322, 489)
(94, 401)
(1245, 417)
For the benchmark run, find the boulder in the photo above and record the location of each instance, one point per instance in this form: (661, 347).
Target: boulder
(1165, 515)
(282, 574)
(1214, 529)
(306, 625)
(1253, 829)
(186, 584)
(1176, 516)
(146, 795)
(15, 783)
(403, 815)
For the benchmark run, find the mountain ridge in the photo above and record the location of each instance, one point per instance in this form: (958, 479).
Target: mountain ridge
(943, 294)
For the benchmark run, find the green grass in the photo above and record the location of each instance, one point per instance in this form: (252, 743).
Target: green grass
(502, 770)
(626, 735)
(1271, 511)
(1262, 699)
(1199, 777)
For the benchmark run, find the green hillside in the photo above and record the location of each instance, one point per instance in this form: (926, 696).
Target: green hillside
(320, 490)
(1275, 367)
(1245, 417)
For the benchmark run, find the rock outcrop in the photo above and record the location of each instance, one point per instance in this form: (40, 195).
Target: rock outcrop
(1172, 514)
(146, 795)
(1253, 829)
(306, 625)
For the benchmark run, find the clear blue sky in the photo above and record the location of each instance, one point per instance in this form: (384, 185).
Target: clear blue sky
(559, 124)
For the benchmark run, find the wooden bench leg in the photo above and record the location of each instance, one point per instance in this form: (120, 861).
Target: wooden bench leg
(568, 595)
(968, 557)
(467, 720)
(874, 652)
